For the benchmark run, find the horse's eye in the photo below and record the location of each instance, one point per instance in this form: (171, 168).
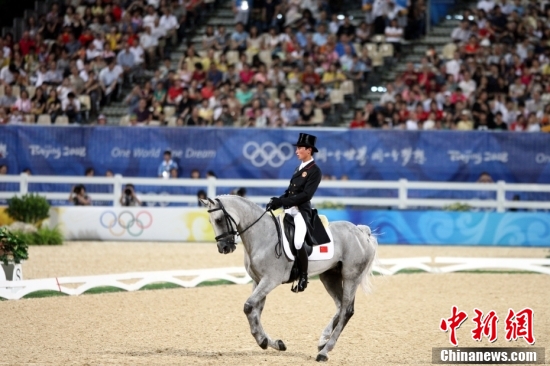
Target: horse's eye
(218, 220)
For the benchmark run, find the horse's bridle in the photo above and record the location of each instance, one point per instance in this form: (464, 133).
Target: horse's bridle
(232, 231)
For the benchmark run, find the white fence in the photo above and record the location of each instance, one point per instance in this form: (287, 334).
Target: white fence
(403, 199)
(14, 290)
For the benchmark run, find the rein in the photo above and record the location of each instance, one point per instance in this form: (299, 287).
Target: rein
(233, 231)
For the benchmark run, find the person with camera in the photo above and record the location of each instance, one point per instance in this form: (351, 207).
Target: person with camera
(129, 197)
(79, 196)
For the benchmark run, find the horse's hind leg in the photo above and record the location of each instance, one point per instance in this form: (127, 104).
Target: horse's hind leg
(253, 309)
(332, 280)
(346, 312)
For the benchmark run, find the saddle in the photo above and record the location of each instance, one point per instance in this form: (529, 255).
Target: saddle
(319, 236)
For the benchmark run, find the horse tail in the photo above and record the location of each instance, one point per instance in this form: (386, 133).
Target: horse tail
(372, 253)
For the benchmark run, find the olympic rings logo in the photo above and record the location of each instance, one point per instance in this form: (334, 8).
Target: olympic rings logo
(267, 153)
(126, 221)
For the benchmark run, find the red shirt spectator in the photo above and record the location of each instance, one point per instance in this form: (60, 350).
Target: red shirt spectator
(199, 75)
(86, 37)
(311, 78)
(207, 92)
(458, 96)
(410, 76)
(358, 121)
(26, 43)
(117, 13)
(174, 92)
(246, 74)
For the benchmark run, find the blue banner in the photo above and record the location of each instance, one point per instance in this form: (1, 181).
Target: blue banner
(269, 154)
(451, 228)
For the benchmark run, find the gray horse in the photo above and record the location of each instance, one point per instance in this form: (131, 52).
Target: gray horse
(354, 254)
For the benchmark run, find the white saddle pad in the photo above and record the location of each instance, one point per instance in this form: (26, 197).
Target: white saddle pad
(319, 253)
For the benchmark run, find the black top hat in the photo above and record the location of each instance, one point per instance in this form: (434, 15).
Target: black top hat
(306, 140)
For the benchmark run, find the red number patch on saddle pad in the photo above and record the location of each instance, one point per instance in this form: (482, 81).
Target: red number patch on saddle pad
(323, 249)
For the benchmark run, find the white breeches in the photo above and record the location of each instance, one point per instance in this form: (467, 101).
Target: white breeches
(300, 230)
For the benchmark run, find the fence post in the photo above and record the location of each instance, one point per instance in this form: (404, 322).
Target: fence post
(117, 189)
(501, 195)
(24, 184)
(211, 187)
(402, 194)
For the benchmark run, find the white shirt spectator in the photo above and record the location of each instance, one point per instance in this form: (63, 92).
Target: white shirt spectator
(169, 22)
(148, 41)
(468, 87)
(108, 77)
(98, 44)
(92, 54)
(153, 3)
(453, 67)
(412, 125)
(486, 5)
(459, 34)
(7, 52)
(394, 13)
(6, 75)
(149, 20)
(63, 91)
(76, 103)
(137, 50)
(158, 32)
(333, 27)
(379, 8)
(393, 34)
(84, 75)
(387, 97)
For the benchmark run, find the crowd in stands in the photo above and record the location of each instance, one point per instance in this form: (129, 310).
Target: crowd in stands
(277, 68)
(73, 60)
(493, 75)
(287, 62)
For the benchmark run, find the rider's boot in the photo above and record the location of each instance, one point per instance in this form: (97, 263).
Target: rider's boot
(303, 262)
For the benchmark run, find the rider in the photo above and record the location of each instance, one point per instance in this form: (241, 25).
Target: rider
(296, 200)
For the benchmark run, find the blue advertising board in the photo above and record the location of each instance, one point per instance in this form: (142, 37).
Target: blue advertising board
(269, 154)
(451, 228)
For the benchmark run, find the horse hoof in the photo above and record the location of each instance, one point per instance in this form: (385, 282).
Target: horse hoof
(281, 345)
(321, 358)
(264, 344)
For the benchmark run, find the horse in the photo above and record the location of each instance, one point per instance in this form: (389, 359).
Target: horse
(355, 251)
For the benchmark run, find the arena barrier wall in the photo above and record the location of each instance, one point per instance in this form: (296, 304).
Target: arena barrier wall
(268, 153)
(391, 227)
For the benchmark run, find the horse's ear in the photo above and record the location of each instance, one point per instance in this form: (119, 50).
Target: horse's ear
(205, 202)
(212, 202)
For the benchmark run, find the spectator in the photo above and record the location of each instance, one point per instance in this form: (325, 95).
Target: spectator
(109, 81)
(71, 108)
(3, 169)
(394, 35)
(201, 195)
(167, 165)
(79, 197)
(142, 113)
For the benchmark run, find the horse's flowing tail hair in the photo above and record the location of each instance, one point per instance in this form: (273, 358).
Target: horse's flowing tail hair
(372, 246)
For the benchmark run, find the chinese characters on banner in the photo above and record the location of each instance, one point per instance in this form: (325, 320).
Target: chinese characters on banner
(517, 325)
(404, 157)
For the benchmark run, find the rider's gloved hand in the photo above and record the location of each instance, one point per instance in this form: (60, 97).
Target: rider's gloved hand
(274, 203)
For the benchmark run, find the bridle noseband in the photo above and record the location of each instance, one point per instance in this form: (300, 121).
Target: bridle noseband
(229, 222)
(232, 230)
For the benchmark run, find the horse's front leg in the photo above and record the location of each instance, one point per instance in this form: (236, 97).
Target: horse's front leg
(253, 309)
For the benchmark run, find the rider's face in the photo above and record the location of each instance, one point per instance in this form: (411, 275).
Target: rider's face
(303, 153)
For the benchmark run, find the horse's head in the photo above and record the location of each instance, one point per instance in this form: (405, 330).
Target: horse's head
(225, 226)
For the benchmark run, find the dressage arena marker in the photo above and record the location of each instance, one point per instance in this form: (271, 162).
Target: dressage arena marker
(15, 290)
